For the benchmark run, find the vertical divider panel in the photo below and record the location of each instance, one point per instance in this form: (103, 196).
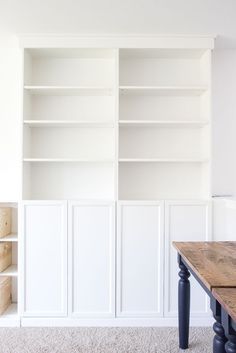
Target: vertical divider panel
(207, 60)
(117, 118)
(117, 102)
(21, 259)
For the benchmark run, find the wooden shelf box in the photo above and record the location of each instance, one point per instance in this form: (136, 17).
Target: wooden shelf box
(5, 293)
(5, 221)
(5, 255)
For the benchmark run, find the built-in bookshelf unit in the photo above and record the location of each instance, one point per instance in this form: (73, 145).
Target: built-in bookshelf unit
(69, 123)
(164, 124)
(107, 124)
(116, 166)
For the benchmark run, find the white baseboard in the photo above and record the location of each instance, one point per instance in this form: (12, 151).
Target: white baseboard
(117, 322)
(10, 322)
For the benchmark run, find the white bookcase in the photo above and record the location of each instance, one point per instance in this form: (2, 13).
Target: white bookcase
(164, 144)
(70, 111)
(69, 120)
(116, 131)
(70, 129)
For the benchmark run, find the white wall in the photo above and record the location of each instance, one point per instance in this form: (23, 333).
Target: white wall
(10, 126)
(224, 122)
(122, 17)
(224, 142)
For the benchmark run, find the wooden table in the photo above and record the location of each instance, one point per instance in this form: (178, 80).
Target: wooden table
(213, 264)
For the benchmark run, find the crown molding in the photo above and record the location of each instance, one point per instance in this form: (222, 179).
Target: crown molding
(164, 41)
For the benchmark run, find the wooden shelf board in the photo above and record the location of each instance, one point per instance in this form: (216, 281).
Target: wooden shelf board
(160, 123)
(11, 237)
(68, 123)
(69, 90)
(164, 90)
(68, 160)
(162, 160)
(10, 271)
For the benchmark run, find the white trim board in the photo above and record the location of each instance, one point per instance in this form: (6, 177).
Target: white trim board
(116, 41)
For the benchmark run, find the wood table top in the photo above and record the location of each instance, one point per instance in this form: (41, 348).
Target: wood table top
(227, 299)
(214, 263)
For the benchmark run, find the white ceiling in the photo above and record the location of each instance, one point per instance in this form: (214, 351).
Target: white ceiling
(217, 17)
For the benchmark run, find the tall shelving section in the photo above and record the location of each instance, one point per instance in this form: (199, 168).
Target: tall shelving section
(70, 124)
(164, 124)
(69, 121)
(116, 141)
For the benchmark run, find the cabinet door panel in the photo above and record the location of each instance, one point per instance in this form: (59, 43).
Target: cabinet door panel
(184, 221)
(139, 259)
(92, 253)
(45, 267)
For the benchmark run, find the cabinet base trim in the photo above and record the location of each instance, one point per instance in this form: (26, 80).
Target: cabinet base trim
(161, 322)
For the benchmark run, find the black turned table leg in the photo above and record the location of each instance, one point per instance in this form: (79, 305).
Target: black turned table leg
(230, 346)
(183, 304)
(219, 339)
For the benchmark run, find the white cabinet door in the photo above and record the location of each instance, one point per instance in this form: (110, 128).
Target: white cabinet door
(139, 259)
(45, 264)
(92, 259)
(184, 221)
